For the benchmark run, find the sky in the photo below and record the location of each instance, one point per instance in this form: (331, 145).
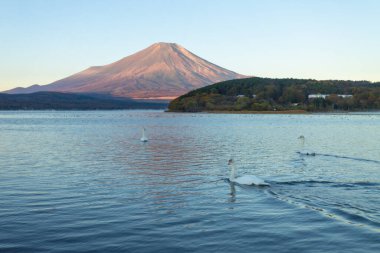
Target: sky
(42, 41)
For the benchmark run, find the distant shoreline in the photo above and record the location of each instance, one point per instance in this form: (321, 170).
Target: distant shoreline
(303, 112)
(248, 112)
(72, 101)
(260, 112)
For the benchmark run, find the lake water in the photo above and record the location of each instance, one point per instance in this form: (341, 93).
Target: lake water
(83, 182)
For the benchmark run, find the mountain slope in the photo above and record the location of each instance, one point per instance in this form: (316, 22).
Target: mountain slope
(161, 70)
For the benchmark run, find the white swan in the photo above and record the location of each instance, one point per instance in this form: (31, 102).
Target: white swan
(246, 179)
(143, 138)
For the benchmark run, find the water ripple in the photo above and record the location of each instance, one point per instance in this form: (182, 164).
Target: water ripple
(83, 182)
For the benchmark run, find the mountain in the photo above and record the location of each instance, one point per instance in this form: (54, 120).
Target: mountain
(163, 70)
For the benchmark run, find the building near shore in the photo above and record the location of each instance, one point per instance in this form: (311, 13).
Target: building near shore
(324, 96)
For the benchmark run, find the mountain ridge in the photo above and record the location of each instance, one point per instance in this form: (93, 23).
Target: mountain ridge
(160, 70)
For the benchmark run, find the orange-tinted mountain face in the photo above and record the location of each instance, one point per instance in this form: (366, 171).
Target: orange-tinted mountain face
(163, 70)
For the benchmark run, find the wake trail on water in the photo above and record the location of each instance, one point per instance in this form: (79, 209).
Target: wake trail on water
(329, 197)
(338, 156)
(331, 208)
(330, 183)
(296, 193)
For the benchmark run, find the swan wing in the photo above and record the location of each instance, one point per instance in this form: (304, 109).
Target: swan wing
(250, 180)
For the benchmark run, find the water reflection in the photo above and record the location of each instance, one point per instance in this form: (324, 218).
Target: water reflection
(232, 198)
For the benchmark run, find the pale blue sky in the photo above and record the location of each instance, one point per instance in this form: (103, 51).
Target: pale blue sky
(45, 40)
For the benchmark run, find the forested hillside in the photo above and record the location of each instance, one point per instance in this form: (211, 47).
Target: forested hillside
(267, 94)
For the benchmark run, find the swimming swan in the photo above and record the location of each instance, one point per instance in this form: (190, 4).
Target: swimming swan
(143, 138)
(304, 152)
(246, 179)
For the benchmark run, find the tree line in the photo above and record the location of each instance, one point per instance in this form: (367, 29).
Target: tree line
(268, 94)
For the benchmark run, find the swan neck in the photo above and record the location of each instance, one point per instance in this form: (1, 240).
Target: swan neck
(233, 171)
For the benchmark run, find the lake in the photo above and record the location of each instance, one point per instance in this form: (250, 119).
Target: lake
(82, 181)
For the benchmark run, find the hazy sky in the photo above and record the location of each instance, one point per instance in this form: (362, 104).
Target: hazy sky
(45, 40)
